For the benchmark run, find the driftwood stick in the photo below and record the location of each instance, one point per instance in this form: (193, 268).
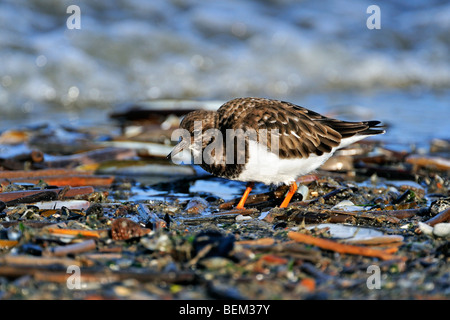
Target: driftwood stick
(26, 260)
(443, 216)
(342, 248)
(77, 232)
(71, 248)
(96, 274)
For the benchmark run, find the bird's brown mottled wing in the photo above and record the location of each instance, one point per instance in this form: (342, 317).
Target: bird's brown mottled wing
(301, 132)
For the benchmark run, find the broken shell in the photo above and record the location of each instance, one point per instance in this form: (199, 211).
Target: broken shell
(439, 205)
(439, 230)
(425, 228)
(161, 243)
(124, 229)
(243, 218)
(346, 205)
(196, 205)
(304, 191)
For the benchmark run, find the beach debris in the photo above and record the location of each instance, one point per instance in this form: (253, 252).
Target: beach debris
(23, 196)
(386, 254)
(140, 226)
(196, 205)
(75, 248)
(431, 162)
(150, 218)
(124, 229)
(212, 243)
(443, 216)
(439, 229)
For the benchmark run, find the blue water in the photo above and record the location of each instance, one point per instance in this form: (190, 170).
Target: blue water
(319, 54)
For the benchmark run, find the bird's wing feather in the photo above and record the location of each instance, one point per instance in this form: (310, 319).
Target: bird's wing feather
(301, 132)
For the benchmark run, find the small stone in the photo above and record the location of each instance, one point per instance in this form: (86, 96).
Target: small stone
(442, 230)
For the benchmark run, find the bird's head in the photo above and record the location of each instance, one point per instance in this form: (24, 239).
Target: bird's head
(194, 132)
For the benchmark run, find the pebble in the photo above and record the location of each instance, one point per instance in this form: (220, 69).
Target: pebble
(439, 230)
(442, 230)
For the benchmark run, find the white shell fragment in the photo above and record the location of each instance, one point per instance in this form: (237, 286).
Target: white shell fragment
(304, 191)
(358, 235)
(344, 231)
(426, 228)
(347, 205)
(243, 218)
(57, 205)
(439, 230)
(263, 214)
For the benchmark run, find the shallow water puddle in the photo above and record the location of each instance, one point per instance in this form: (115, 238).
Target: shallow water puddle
(221, 188)
(140, 194)
(218, 188)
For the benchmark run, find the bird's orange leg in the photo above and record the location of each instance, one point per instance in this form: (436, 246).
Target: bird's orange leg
(292, 189)
(245, 195)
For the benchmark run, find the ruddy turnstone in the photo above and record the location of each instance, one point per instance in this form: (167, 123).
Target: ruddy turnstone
(264, 140)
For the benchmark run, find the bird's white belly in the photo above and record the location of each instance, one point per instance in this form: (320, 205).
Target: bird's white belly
(266, 167)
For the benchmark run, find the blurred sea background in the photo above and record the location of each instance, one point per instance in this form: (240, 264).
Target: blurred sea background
(318, 54)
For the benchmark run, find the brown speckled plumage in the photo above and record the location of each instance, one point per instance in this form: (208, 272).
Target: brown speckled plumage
(302, 132)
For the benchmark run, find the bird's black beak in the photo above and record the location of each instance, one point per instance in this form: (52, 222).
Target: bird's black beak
(177, 149)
